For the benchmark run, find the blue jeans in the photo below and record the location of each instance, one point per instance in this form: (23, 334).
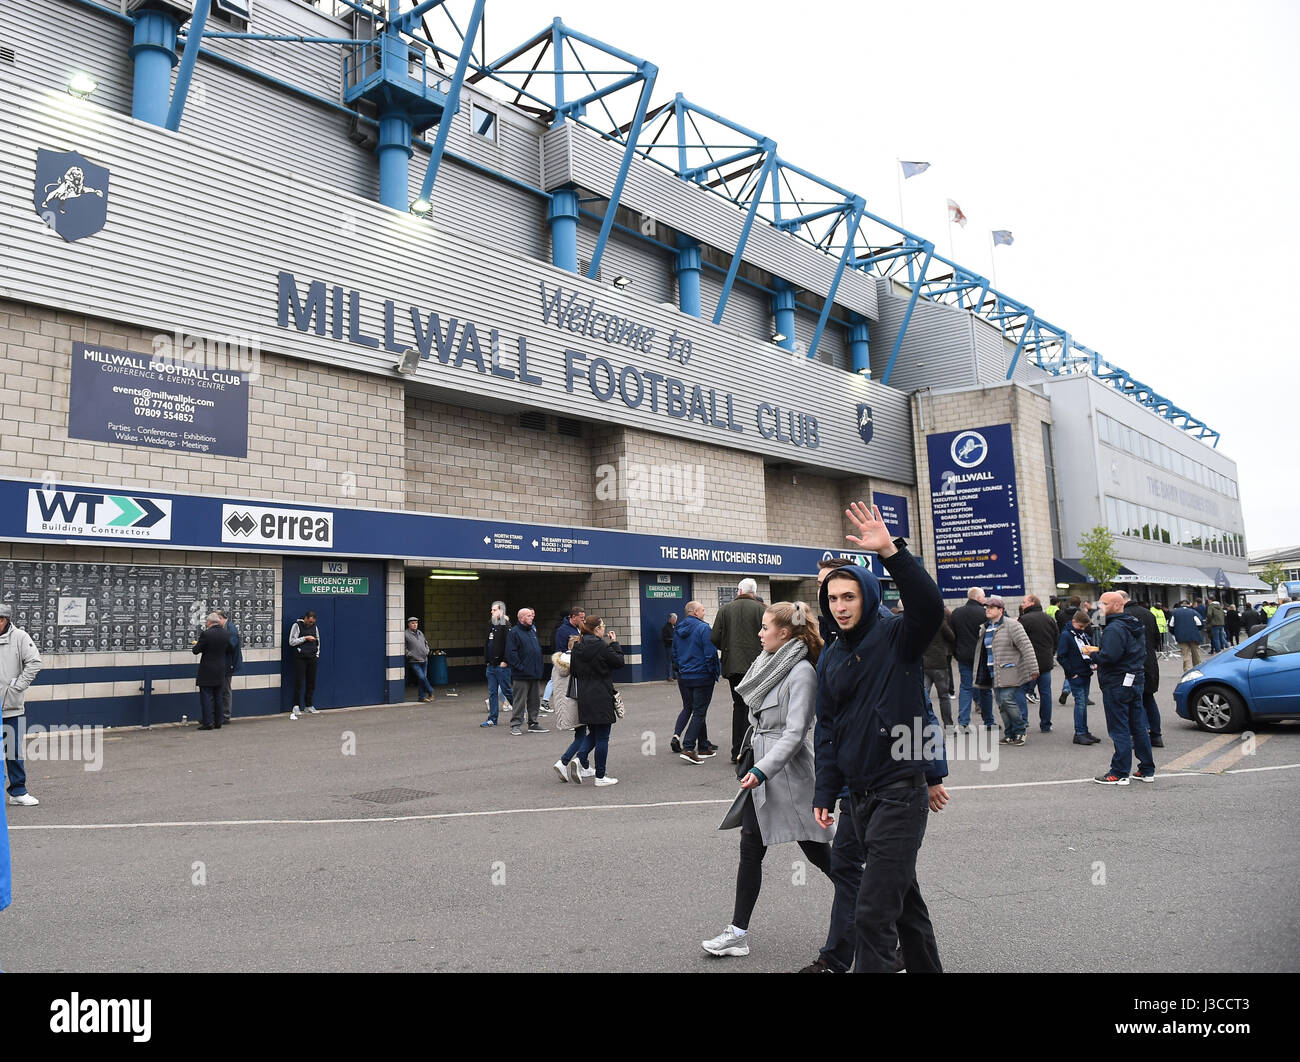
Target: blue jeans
(1044, 686)
(1217, 639)
(1126, 723)
(1080, 688)
(964, 696)
(597, 739)
(546, 693)
(696, 730)
(14, 757)
(1011, 703)
(498, 680)
(423, 686)
(575, 747)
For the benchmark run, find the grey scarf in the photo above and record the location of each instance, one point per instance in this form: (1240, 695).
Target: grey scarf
(767, 672)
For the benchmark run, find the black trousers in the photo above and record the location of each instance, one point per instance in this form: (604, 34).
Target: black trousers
(739, 722)
(210, 706)
(889, 825)
(749, 875)
(304, 669)
(846, 875)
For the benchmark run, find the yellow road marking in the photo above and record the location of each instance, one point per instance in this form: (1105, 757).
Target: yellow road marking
(1229, 759)
(1199, 753)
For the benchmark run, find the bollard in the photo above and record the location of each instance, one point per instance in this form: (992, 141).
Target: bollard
(147, 690)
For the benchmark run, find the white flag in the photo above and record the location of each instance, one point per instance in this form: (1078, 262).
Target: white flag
(911, 169)
(1003, 236)
(955, 214)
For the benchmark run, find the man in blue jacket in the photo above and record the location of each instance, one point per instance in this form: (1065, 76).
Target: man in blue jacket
(1074, 650)
(872, 737)
(697, 664)
(1121, 664)
(1186, 624)
(524, 655)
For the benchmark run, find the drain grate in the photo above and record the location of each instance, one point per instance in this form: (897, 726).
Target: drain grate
(392, 796)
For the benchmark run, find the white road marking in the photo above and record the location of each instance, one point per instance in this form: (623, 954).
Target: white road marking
(538, 811)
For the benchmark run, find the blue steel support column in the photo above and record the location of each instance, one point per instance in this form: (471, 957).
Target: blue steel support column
(194, 35)
(562, 215)
(394, 151)
(686, 265)
(153, 51)
(859, 349)
(783, 313)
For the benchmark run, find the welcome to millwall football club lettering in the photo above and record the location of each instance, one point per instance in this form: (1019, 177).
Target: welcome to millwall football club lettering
(331, 310)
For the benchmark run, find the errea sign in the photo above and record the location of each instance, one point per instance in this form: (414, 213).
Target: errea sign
(253, 525)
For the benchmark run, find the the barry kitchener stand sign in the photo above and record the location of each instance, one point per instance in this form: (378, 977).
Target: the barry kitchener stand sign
(119, 396)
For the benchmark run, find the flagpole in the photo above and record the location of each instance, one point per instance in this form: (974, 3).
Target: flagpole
(898, 175)
(993, 258)
(951, 251)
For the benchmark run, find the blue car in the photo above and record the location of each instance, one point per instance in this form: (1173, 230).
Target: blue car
(1256, 681)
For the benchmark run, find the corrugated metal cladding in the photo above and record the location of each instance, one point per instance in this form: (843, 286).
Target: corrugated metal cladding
(575, 156)
(936, 349)
(649, 268)
(52, 38)
(197, 237)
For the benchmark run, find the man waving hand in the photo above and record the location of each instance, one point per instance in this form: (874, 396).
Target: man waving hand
(872, 737)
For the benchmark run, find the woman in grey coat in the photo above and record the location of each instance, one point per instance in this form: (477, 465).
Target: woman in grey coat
(780, 690)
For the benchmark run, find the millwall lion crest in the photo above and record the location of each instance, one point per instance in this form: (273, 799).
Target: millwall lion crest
(70, 194)
(866, 423)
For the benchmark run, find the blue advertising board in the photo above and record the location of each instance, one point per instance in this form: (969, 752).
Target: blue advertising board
(109, 516)
(893, 510)
(976, 511)
(119, 396)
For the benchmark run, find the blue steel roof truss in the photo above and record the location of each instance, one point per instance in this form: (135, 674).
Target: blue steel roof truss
(734, 162)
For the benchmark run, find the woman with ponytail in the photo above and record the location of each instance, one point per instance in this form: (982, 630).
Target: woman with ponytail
(780, 690)
(593, 659)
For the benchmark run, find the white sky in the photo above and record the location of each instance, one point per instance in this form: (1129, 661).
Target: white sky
(1144, 154)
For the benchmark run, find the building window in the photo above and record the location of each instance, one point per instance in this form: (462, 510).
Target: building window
(483, 122)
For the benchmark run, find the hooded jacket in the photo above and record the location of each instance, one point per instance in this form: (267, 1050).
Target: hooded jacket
(1152, 666)
(1123, 652)
(20, 662)
(697, 659)
(870, 681)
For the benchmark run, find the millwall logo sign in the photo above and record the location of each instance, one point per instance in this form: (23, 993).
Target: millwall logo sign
(89, 515)
(71, 193)
(866, 423)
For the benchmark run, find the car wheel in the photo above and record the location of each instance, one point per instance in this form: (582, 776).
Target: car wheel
(1218, 709)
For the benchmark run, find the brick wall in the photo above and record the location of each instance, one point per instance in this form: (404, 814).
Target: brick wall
(315, 434)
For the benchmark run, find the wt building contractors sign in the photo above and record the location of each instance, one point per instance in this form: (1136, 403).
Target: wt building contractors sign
(976, 514)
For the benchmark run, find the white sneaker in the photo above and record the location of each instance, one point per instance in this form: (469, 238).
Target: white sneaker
(607, 780)
(311, 709)
(729, 942)
(26, 800)
(584, 772)
(575, 771)
(294, 713)
(561, 770)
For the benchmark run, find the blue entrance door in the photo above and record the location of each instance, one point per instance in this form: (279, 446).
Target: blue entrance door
(661, 594)
(354, 658)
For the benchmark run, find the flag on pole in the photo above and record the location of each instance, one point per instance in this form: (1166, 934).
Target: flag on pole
(911, 169)
(1003, 236)
(955, 214)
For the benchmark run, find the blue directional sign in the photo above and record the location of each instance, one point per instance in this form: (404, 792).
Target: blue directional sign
(893, 510)
(976, 511)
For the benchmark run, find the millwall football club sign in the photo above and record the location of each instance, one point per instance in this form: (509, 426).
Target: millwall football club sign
(70, 193)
